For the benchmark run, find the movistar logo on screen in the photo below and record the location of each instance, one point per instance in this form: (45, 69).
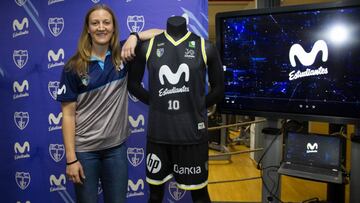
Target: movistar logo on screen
(173, 78)
(20, 28)
(312, 148)
(308, 59)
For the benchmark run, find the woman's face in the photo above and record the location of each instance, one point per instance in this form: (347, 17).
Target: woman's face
(101, 27)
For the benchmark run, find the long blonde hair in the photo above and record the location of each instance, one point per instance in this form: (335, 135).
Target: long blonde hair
(81, 59)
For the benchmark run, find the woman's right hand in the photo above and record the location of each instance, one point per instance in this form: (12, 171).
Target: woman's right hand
(75, 173)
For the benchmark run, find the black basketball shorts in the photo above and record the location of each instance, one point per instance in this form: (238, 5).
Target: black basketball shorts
(188, 164)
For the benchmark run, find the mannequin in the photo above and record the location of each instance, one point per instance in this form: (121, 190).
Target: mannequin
(177, 62)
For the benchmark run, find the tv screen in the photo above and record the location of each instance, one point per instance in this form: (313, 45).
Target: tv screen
(292, 61)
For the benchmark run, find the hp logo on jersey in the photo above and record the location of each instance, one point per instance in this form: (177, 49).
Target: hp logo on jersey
(153, 163)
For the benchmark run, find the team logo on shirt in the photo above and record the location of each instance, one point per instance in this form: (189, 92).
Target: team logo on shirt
(176, 192)
(21, 119)
(53, 87)
(192, 44)
(20, 58)
(56, 25)
(56, 151)
(135, 155)
(159, 52)
(22, 179)
(61, 90)
(135, 23)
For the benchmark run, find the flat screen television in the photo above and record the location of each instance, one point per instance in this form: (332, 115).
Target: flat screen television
(292, 62)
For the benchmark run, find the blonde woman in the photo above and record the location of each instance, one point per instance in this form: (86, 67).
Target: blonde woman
(94, 101)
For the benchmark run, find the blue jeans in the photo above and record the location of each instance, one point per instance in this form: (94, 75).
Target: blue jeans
(110, 165)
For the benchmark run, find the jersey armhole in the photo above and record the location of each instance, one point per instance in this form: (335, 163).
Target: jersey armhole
(149, 48)
(203, 51)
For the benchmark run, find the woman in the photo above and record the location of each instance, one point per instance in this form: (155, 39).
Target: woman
(93, 98)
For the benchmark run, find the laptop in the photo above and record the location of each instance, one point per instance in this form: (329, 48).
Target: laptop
(313, 156)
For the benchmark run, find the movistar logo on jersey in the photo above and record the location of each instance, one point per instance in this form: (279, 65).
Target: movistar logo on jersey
(174, 79)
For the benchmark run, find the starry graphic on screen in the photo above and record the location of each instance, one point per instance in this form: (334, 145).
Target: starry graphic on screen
(305, 62)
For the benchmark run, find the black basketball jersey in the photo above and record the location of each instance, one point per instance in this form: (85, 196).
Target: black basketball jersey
(177, 86)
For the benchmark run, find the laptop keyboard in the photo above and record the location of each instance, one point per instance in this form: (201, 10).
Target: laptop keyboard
(309, 169)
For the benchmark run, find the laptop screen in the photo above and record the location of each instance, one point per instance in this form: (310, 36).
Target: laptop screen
(314, 150)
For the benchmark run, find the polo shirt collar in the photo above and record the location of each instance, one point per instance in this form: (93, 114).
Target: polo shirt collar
(99, 61)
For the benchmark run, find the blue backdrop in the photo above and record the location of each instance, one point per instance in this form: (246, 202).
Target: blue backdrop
(36, 39)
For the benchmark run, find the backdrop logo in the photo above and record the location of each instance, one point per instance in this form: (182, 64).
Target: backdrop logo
(54, 121)
(138, 124)
(176, 192)
(21, 151)
(308, 59)
(21, 119)
(57, 151)
(56, 26)
(135, 23)
(20, 28)
(54, 1)
(173, 78)
(153, 163)
(312, 148)
(22, 179)
(20, 2)
(95, 1)
(135, 189)
(135, 155)
(57, 184)
(24, 202)
(20, 58)
(20, 90)
(56, 59)
(53, 87)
